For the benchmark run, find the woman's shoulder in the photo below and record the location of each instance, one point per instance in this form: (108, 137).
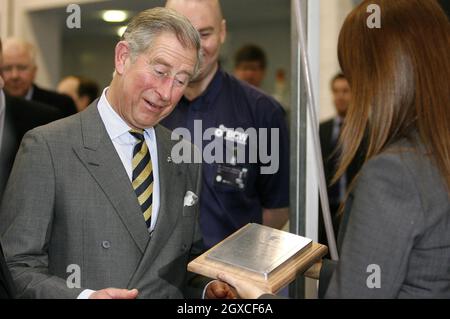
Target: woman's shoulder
(405, 156)
(408, 167)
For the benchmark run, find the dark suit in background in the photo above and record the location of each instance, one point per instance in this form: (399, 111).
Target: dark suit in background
(63, 102)
(328, 142)
(20, 117)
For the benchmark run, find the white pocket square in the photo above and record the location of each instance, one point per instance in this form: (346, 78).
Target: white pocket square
(190, 199)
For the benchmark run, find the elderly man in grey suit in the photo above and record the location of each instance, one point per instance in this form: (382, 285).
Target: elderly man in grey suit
(95, 200)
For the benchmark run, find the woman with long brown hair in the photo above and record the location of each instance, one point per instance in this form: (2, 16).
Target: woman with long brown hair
(394, 240)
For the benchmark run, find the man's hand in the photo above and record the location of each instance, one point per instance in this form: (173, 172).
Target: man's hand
(220, 290)
(114, 293)
(245, 289)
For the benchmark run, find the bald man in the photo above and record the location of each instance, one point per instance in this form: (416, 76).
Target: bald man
(233, 193)
(19, 73)
(17, 116)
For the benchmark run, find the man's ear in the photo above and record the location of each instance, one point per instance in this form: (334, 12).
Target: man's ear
(122, 55)
(223, 31)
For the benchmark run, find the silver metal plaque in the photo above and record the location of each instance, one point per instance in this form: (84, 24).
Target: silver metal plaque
(259, 249)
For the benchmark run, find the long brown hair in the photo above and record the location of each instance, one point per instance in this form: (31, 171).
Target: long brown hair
(399, 75)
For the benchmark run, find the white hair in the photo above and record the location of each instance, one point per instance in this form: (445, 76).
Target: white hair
(149, 24)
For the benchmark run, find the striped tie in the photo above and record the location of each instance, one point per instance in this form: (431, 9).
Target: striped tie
(143, 175)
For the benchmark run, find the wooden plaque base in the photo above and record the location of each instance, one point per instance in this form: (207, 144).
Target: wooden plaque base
(279, 278)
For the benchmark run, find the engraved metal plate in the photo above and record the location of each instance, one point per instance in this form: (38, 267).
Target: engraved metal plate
(259, 249)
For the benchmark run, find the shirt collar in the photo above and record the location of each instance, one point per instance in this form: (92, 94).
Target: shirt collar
(29, 94)
(114, 124)
(338, 120)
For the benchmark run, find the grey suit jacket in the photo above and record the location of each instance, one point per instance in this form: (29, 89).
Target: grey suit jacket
(397, 218)
(69, 202)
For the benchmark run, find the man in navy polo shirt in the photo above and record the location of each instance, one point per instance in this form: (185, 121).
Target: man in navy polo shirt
(241, 189)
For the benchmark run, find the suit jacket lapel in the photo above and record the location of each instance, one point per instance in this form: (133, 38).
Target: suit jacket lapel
(170, 196)
(168, 173)
(101, 159)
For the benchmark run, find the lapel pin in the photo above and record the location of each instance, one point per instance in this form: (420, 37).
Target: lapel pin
(169, 159)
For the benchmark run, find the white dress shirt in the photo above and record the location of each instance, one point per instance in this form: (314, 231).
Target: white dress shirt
(124, 142)
(29, 94)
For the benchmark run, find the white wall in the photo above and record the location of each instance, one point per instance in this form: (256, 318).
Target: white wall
(45, 33)
(332, 16)
(4, 21)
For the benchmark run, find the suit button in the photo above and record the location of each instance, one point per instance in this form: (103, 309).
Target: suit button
(106, 244)
(184, 247)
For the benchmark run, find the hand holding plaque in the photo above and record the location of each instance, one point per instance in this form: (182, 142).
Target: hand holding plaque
(268, 257)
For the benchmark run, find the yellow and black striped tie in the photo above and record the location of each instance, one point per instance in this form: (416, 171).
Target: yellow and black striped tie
(143, 175)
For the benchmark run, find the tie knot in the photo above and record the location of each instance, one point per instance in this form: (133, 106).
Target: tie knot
(138, 134)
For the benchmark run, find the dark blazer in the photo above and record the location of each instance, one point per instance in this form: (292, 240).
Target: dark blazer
(92, 217)
(396, 218)
(328, 147)
(329, 162)
(63, 102)
(20, 117)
